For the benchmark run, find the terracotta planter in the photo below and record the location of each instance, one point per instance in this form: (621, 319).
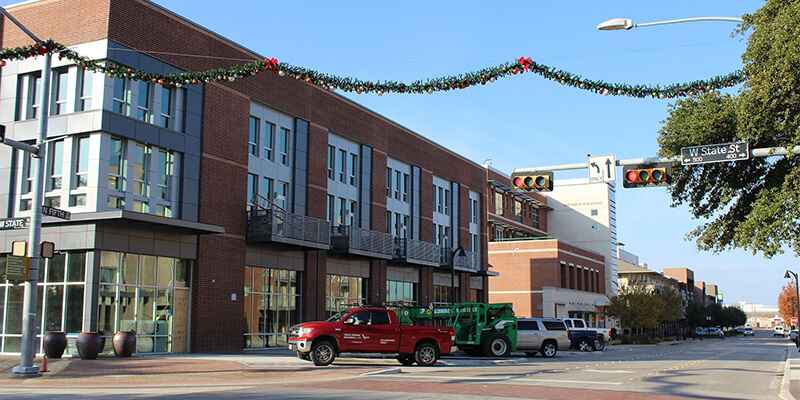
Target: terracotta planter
(89, 345)
(54, 344)
(124, 344)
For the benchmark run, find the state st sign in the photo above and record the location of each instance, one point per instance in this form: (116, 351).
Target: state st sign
(712, 153)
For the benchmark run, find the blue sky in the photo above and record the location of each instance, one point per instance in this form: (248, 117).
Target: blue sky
(523, 120)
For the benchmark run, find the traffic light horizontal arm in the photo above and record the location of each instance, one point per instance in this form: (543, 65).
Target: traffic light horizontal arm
(29, 148)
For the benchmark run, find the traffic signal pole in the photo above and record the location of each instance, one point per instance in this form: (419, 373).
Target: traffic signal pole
(26, 367)
(754, 153)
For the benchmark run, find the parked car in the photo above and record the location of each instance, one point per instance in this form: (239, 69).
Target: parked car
(541, 335)
(778, 331)
(714, 332)
(577, 324)
(793, 335)
(744, 331)
(699, 331)
(584, 340)
(369, 330)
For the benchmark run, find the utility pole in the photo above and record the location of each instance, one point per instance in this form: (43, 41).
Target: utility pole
(788, 275)
(26, 366)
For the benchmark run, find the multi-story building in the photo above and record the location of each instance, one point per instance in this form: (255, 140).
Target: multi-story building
(760, 315)
(541, 275)
(212, 217)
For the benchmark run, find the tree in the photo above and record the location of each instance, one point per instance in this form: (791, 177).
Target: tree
(787, 302)
(643, 309)
(755, 204)
(696, 314)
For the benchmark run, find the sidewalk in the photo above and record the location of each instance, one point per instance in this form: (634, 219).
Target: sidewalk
(791, 386)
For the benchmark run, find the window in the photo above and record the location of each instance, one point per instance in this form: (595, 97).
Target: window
(473, 242)
(56, 161)
(116, 202)
(527, 325)
(167, 107)
(283, 146)
(578, 324)
(144, 100)
(331, 211)
(398, 182)
(81, 161)
(400, 291)
(122, 96)
(342, 165)
(331, 162)
(60, 91)
(535, 217)
(282, 197)
(117, 165)
(166, 174)
(25, 204)
(498, 203)
(141, 206)
(85, 95)
(594, 212)
(343, 292)
(380, 318)
(269, 141)
(517, 209)
(353, 169)
(388, 182)
(473, 211)
(397, 226)
(77, 200)
(53, 201)
(271, 306)
(406, 224)
(252, 189)
(252, 135)
(554, 325)
(446, 202)
(389, 222)
(353, 212)
(361, 318)
(27, 172)
(342, 217)
(29, 86)
(164, 211)
(406, 187)
(140, 169)
(440, 199)
(269, 187)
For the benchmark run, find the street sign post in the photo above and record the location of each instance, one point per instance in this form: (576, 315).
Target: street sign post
(713, 153)
(13, 223)
(56, 212)
(17, 268)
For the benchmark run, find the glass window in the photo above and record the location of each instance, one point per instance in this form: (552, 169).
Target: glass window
(25, 204)
(331, 161)
(166, 174)
(147, 271)
(109, 265)
(406, 187)
(446, 202)
(271, 299)
(144, 99)
(140, 169)
(388, 182)
(353, 168)
(498, 203)
(554, 325)
(122, 96)
(343, 211)
(342, 165)
(85, 96)
(165, 276)
(253, 135)
(331, 209)
(440, 200)
(268, 189)
(117, 170)
(167, 107)
(28, 92)
(56, 162)
(60, 91)
(389, 222)
(52, 201)
(76, 267)
(269, 141)
(81, 161)
(252, 189)
(56, 268)
(353, 213)
(130, 269)
(343, 292)
(27, 172)
(398, 182)
(400, 291)
(380, 318)
(283, 146)
(282, 197)
(528, 325)
(116, 202)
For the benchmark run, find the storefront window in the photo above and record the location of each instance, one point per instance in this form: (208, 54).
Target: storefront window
(342, 292)
(271, 306)
(145, 294)
(400, 291)
(60, 302)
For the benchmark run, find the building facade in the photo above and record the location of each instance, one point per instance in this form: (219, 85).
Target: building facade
(212, 217)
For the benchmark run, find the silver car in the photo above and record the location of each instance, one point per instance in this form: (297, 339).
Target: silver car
(541, 335)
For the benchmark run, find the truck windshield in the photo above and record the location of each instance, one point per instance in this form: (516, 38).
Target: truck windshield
(335, 317)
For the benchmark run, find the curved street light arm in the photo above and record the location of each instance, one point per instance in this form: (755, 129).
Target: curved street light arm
(684, 20)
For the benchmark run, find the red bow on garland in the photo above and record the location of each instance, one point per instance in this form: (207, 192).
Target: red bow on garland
(271, 64)
(525, 62)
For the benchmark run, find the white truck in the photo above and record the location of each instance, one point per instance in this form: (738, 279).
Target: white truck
(577, 324)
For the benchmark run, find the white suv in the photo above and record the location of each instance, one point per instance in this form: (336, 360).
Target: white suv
(541, 335)
(778, 331)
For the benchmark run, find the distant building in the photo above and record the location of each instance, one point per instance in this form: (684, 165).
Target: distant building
(760, 315)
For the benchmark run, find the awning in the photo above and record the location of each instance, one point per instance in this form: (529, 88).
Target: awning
(135, 218)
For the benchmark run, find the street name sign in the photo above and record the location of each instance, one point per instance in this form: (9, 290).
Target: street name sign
(713, 153)
(13, 223)
(17, 268)
(56, 212)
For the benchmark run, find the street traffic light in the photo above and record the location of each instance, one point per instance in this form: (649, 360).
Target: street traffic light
(647, 175)
(2, 133)
(536, 182)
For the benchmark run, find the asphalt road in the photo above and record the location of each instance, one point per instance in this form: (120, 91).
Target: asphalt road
(733, 368)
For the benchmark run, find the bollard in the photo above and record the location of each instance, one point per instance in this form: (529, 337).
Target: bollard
(44, 365)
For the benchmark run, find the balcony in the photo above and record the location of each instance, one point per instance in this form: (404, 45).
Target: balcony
(417, 252)
(470, 262)
(272, 225)
(363, 242)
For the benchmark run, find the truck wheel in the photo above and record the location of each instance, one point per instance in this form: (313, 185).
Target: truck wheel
(426, 355)
(549, 349)
(497, 346)
(323, 353)
(599, 344)
(406, 359)
(584, 345)
(304, 356)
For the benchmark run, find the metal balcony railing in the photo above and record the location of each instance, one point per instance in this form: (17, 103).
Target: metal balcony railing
(418, 252)
(280, 226)
(365, 242)
(469, 262)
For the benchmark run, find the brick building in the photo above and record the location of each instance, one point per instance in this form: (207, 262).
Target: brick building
(539, 274)
(212, 217)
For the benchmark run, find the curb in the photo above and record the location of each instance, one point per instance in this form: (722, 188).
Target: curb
(786, 393)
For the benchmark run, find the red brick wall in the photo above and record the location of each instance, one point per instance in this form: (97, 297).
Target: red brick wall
(69, 22)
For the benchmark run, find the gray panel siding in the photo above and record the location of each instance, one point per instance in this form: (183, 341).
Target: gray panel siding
(7, 174)
(415, 201)
(455, 189)
(365, 187)
(300, 170)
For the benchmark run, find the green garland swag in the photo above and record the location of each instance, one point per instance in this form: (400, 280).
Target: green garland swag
(331, 82)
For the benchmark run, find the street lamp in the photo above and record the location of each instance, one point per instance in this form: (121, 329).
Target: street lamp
(26, 366)
(458, 252)
(788, 275)
(618, 24)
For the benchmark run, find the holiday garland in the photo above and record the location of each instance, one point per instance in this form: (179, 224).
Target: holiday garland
(331, 82)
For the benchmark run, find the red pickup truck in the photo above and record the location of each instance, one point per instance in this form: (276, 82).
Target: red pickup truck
(369, 330)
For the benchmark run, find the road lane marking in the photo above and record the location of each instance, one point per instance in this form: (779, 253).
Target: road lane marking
(609, 371)
(566, 381)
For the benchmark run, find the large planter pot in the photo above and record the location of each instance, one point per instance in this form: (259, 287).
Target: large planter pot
(54, 344)
(89, 345)
(124, 344)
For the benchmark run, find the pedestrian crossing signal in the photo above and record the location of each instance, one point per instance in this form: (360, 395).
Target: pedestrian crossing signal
(536, 182)
(647, 175)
